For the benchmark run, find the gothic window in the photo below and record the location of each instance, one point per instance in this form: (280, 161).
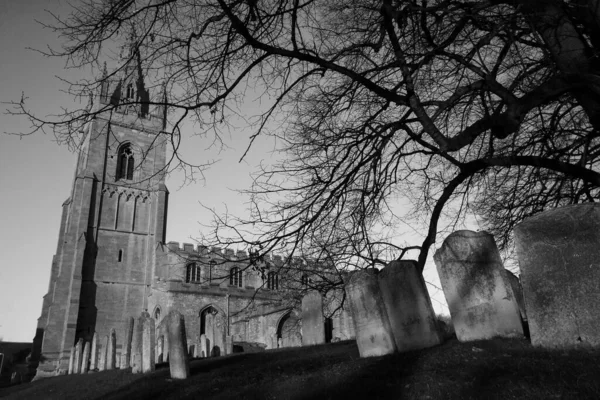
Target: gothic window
(272, 281)
(125, 162)
(157, 314)
(192, 273)
(235, 277)
(130, 92)
(305, 281)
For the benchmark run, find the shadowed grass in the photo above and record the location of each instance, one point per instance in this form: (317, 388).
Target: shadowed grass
(496, 369)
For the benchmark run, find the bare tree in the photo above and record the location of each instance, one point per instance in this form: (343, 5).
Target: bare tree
(389, 111)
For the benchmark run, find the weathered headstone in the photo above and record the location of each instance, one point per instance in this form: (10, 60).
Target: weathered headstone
(86, 358)
(78, 356)
(178, 358)
(373, 331)
(71, 361)
(94, 353)
(408, 306)
(137, 344)
(481, 304)
(559, 257)
(515, 284)
(111, 350)
(204, 348)
(126, 352)
(209, 332)
(313, 322)
(160, 345)
(102, 360)
(228, 344)
(148, 340)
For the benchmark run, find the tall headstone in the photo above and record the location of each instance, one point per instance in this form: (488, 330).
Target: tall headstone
(178, 357)
(209, 332)
(559, 257)
(373, 331)
(204, 348)
(102, 359)
(148, 340)
(481, 304)
(160, 345)
(85, 363)
(228, 344)
(78, 355)
(408, 306)
(126, 352)
(137, 343)
(94, 353)
(313, 322)
(515, 284)
(111, 350)
(71, 361)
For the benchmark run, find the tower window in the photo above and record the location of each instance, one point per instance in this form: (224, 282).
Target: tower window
(120, 255)
(305, 281)
(130, 92)
(125, 162)
(273, 281)
(235, 277)
(192, 273)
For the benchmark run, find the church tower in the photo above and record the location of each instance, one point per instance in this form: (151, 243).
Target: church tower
(112, 222)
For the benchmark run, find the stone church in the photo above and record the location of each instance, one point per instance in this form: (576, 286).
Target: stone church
(113, 262)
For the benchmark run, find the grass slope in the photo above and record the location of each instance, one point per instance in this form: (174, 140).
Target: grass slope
(496, 369)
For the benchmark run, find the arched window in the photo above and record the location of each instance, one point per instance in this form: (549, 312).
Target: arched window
(235, 277)
(157, 314)
(192, 273)
(305, 281)
(125, 162)
(273, 281)
(130, 92)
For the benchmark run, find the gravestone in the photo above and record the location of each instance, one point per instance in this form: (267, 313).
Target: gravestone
(204, 347)
(228, 344)
(313, 322)
(559, 257)
(94, 353)
(373, 331)
(86, 358)
(126, 356)
(209, 323)
(78, 356)
(102, 360)
(111, 350)
(71, 361)
(481, 304)
(408, 306)
(148, 340)
(178, 357)
(160, 349)
(515, 284)
(136, 345)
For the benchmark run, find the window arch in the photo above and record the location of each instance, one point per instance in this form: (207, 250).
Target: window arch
(272, 281)
(125, 162)
(305, 280)
(130, 92)
(235, 277)
(157, 314)
(192, 273)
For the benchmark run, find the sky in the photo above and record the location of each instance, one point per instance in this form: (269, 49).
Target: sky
(36, 173)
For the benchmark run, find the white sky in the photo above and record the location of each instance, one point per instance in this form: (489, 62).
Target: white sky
(36, 174)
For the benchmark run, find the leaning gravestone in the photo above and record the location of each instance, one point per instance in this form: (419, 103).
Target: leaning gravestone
(148, 340)
(408, 306)
(515, 284)
(178, 358)
(71, 361)
(313, 322)
(126, 356)
(94, 353)
(78, 356)
(373, 332)
(559, 257)
(111, 350)
(86, 358)
(481, 304)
